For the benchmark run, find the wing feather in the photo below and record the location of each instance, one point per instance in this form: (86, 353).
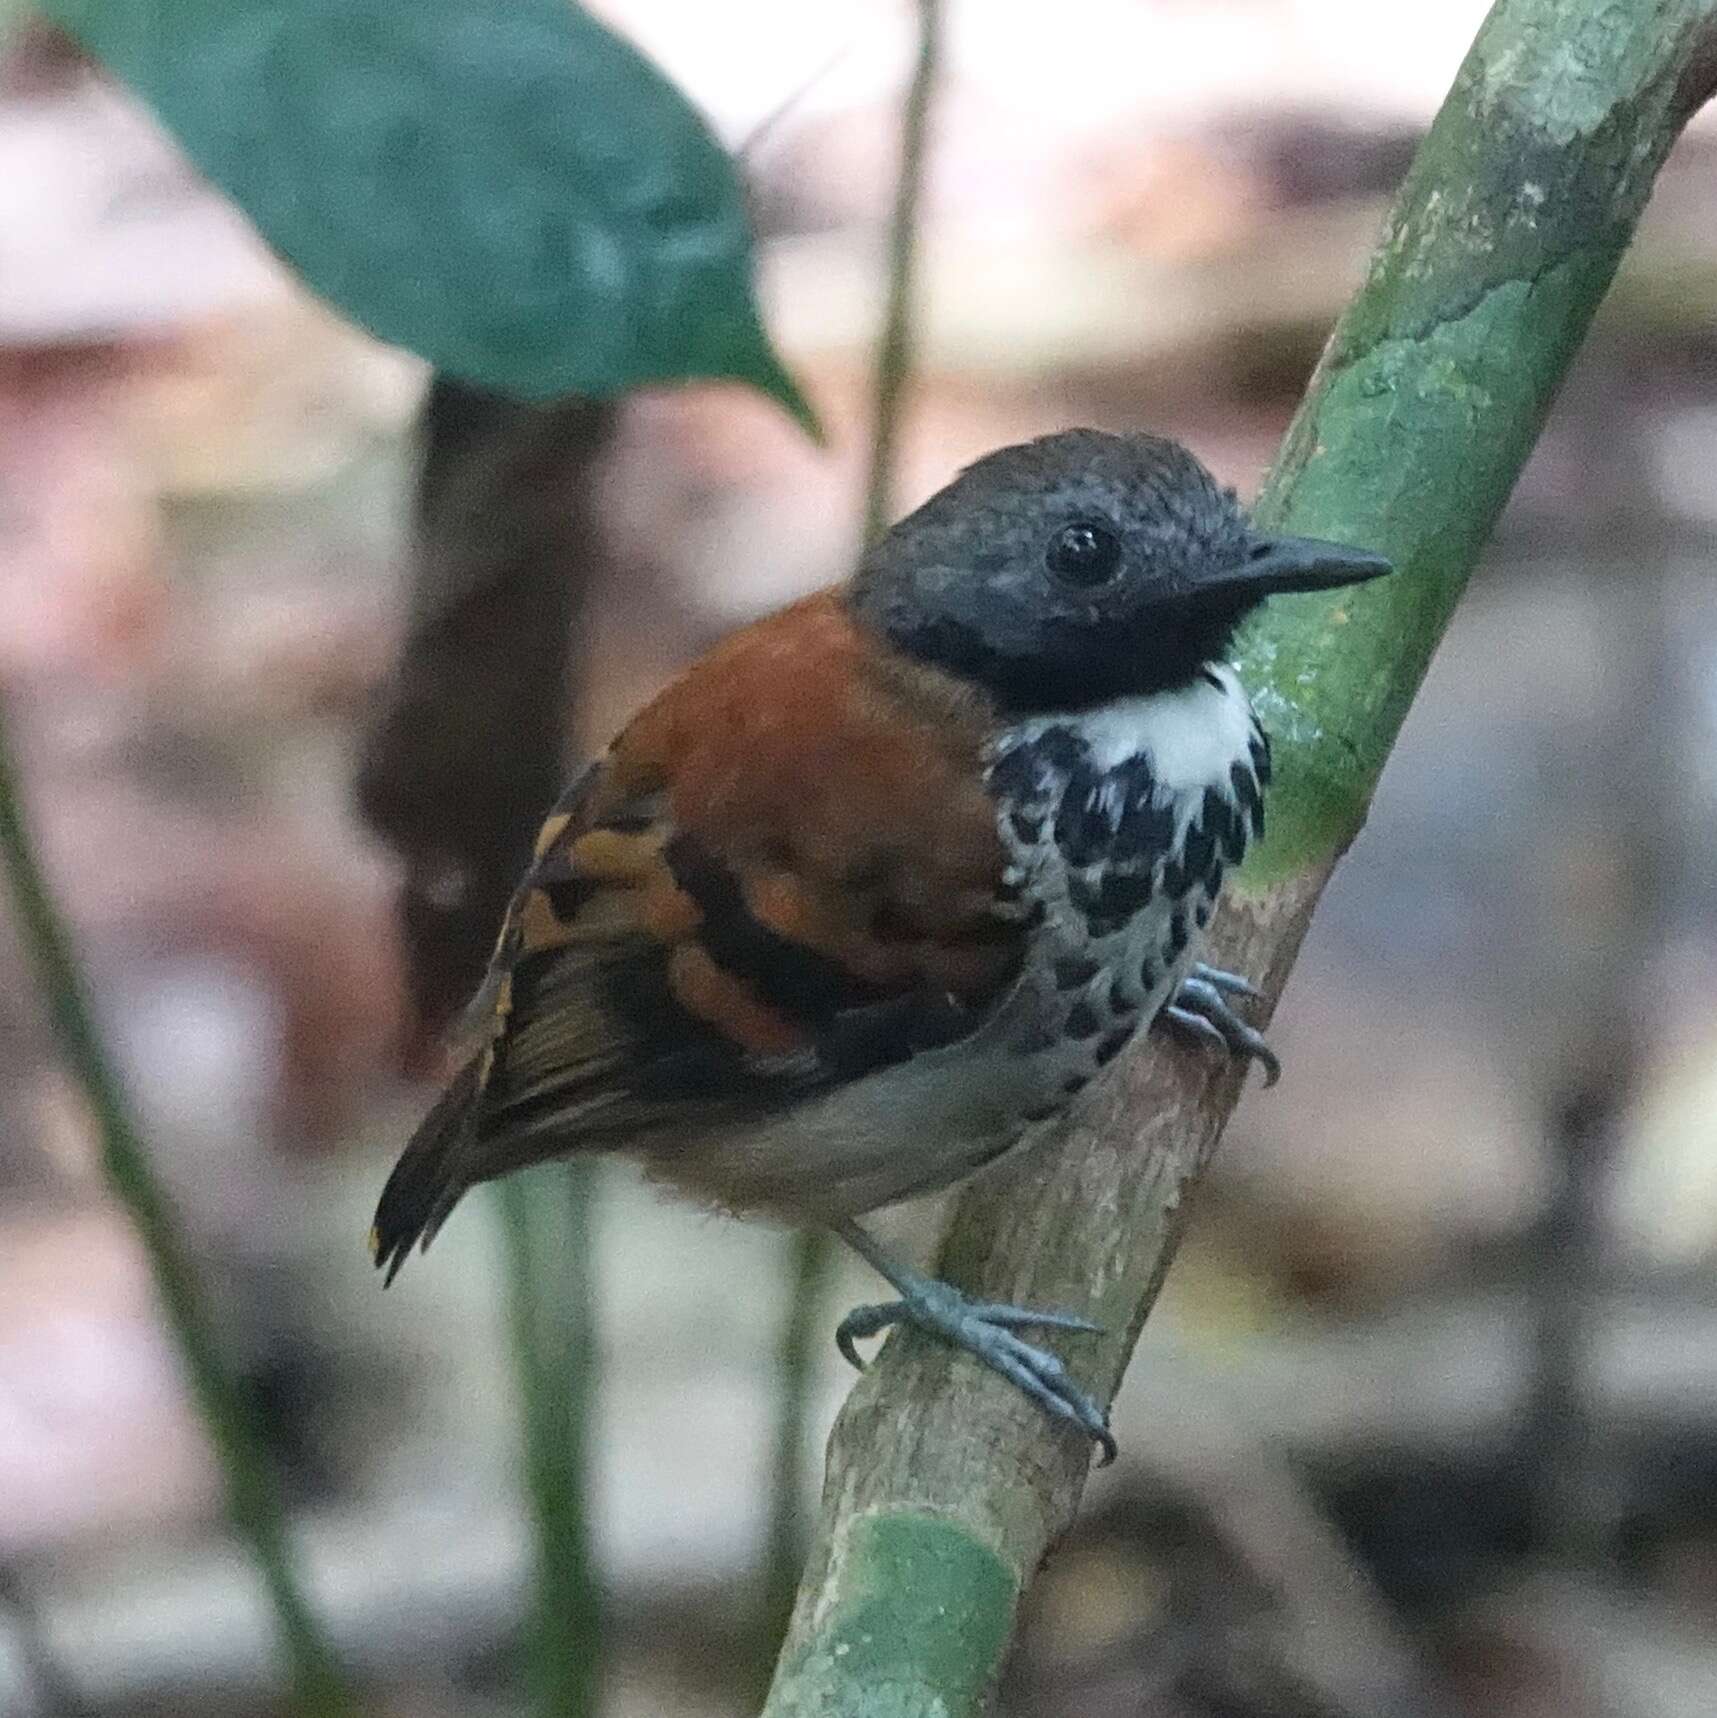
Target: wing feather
(784, 874)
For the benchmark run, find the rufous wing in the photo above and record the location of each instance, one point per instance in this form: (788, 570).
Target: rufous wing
(784, 874)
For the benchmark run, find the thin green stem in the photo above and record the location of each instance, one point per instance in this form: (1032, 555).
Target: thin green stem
(812, 1265)
(894, 348)
(548, 1224)
(252, 1496)
(813, 1252)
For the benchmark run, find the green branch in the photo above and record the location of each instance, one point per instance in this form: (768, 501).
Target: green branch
(1433, 389)
(549, 1231)
(252, 1498)
(945, 1487)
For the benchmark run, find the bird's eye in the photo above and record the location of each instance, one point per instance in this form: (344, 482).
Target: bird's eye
(1084, 554)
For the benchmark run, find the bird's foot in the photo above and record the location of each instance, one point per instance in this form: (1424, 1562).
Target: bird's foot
(1201, 1010)
(987, 1330)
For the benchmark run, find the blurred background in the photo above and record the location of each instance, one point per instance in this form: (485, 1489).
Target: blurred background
(1431, 1401)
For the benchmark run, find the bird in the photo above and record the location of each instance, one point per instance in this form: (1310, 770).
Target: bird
(865, 898)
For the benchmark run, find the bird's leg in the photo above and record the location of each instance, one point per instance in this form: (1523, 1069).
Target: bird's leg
(1200, 1010)
(982, 1328)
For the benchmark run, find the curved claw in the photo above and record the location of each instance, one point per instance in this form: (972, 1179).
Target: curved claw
(1194, 1025)
(986, 1330)
(1044, 1379)
(1248, 1041)
(1201, 1010)
(864, 1322)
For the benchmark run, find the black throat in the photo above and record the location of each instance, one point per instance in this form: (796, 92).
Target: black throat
(1068, 667)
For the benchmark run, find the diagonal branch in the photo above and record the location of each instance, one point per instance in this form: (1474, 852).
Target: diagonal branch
(945, 1487)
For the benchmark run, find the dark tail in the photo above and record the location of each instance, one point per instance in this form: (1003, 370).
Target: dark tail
(427, 1181)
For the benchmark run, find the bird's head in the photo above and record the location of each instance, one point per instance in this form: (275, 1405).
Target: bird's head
(1082, 567)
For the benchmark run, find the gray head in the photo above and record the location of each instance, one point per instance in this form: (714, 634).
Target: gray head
(1083, 567)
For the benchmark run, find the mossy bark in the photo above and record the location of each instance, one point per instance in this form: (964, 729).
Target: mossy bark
(945, 1487)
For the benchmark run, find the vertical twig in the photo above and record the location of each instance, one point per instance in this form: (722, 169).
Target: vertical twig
(252, 1497)
(812, 1259)
(812, 1264)
(894, 347)
(549, 1230)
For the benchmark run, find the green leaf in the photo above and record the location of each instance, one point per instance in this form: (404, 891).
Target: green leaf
(504, 186)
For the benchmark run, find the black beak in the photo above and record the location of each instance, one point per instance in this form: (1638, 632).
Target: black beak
(1274, 566)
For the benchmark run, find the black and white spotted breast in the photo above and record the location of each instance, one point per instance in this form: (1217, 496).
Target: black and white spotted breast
(1122, 823)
